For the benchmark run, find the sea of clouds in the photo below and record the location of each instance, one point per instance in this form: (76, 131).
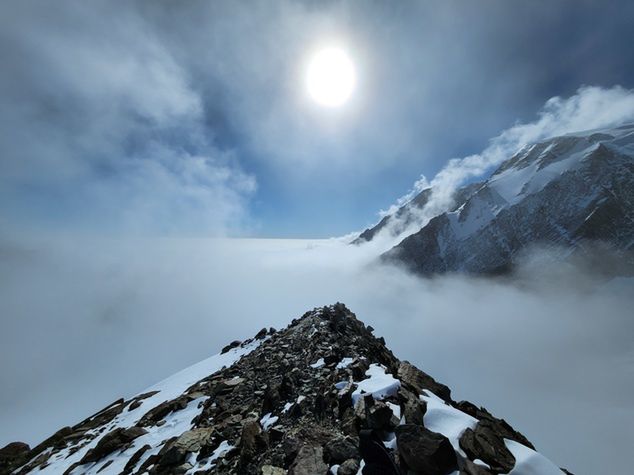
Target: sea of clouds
(88, 320)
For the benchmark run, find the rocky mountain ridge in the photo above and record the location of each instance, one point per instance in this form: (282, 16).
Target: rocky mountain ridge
(572, 195)
(323, 395)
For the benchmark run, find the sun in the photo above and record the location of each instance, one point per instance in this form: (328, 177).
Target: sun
(330, 78)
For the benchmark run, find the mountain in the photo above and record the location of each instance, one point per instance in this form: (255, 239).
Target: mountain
(324, 395)
(573, 195)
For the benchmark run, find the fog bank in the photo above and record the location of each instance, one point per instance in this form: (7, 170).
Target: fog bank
(85, 321)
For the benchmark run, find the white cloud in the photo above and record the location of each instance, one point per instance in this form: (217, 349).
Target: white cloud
(553, 355)
(590, 108)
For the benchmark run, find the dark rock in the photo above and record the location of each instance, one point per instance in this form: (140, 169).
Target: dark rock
(381, 417)
(159, 412)
(118, 439)
(129, 466)
(230, 346)
(261, 334)
(418, 380)
(470, 468)
(11, 455)
(486, 445)
(425, 451)
(413, 408)
(339, 449)
(374, 454)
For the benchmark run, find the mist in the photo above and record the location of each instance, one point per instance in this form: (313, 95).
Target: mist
(94, 319)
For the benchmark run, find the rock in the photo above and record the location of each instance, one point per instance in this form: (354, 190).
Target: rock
(12, 454)
(309, 461)
(118, 439)
(261, 334)
(132, 462)
(413, 409)
(348, 467)
(272, 470)
(195, 439)
(486, 445)
(375, 456)
(159, 412)
(425, 451)
(252, 441)
(419, 380)
(339, 449)
(381, 417)
(470, 468)
(230, 346)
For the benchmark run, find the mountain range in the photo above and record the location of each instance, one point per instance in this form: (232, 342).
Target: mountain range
(571, 195)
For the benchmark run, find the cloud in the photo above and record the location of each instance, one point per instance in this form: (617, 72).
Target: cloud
(95, 319)
(103, 130)
(590, 108)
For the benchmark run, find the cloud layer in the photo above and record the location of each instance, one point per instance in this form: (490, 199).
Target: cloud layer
(93, 320)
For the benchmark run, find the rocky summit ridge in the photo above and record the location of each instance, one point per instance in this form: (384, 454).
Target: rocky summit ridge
(322, 396)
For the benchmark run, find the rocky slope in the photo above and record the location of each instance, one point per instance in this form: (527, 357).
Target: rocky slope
(573, 195)
(324, 395)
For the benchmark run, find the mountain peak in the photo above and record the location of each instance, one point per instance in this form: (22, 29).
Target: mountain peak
(322, 395)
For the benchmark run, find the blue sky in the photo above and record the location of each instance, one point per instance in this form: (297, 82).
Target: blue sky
(157, 118)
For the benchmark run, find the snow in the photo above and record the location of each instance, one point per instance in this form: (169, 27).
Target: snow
(344, 363)
(529, 462)
(446, 420)
(396, 409)
(287, 406)
(482, 463)
(208, 463)
(175, 423)
(318, 364)
(333, 469)
(268, 420)
(380, 384)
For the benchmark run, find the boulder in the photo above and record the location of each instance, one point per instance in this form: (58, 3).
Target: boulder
(11, 455)
(340, 449)
(309, 461)
(418, 380)
(488, 446)
(118, 439)
(425, 451)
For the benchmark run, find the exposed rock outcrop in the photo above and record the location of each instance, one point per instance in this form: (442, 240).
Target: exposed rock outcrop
(322, 395)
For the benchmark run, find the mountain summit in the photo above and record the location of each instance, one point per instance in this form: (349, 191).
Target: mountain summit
(572, 195)
(323, 396)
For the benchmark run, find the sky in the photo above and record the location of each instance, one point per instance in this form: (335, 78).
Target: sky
(137, 136)
(192, 119)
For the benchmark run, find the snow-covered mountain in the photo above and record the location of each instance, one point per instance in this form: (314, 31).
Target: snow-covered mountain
(573, 194)
(323, 396)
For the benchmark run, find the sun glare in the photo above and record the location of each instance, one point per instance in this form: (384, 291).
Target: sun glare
(330, 78)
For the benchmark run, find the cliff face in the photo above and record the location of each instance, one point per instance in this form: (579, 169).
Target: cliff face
(324, 395)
